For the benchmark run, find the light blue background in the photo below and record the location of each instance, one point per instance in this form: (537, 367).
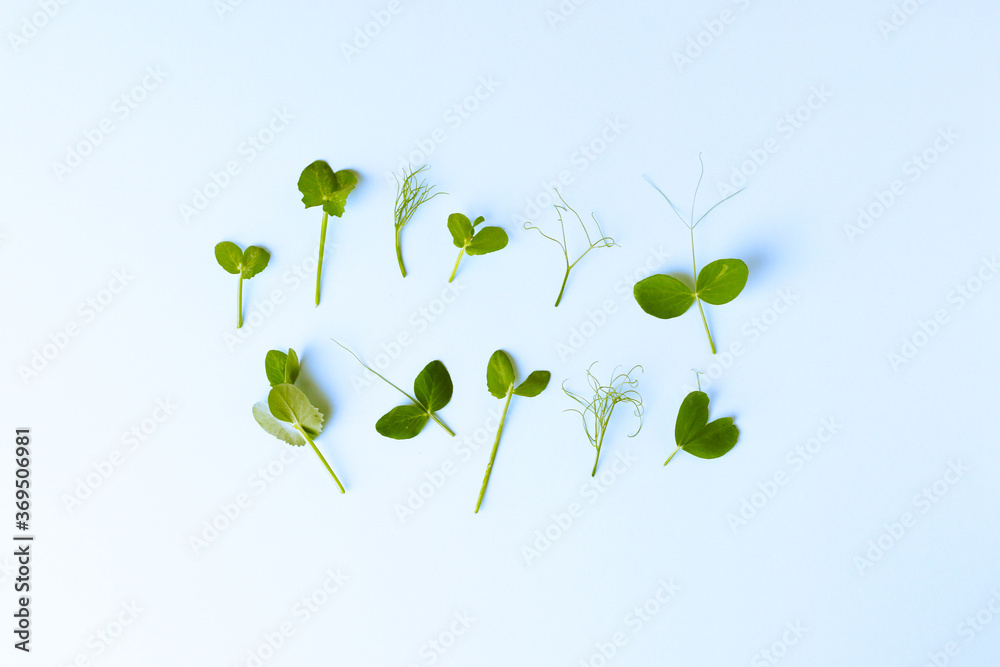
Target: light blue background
(558, 84)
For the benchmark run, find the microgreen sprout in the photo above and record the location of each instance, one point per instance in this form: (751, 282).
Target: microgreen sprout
(411, 193)
(718, 283)
(287, 404)
(696, 435)
(322, 186)
(472, 241)
(244, 263)
(596, 410)
(500, 380)
(601, 242)
(432, 389)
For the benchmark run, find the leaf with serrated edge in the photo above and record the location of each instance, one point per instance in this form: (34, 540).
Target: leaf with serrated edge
(229, 256)
(289, 404)
(663, 296)
(499, 374)
(534, 384)
(403, 422)
(274, 365)
(276, 428)
(433, 387)
(255, 260)
(487, 239)
(722, 281)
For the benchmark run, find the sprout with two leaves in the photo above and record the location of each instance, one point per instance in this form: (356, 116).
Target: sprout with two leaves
(288, 415)
(719, 282)
(244, 263)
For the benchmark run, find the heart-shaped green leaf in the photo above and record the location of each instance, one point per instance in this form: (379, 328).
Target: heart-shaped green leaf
(499, 374)
(722, 281)
(321, 186)
(534, 384)
(714, 440)
(403, 422)
(663, 296)
(229, 256)
(433, 386)
(275, 362)
(288, 403)
(291, 367)
(487, 239)
(691, 418)
(255, 260)
(278, 429)
(460, 228)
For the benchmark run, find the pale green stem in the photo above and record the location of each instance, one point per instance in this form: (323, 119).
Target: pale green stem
(320, 455)
(239, 304)
(593, 473)
(704, 321)
(455, 270)
(671, 456)
(399, 253)
(493, 454)
(322, 245)
(563, 287)
(441, 424)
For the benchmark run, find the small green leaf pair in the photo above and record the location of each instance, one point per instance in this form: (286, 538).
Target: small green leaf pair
(472, 242)
(287, 404)
(718, 283)
(500, 380)
(696, 435)
(320, 185)
(244, 263)
(432, 391)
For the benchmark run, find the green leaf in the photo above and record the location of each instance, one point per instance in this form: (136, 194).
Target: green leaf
(478, 221)
(487, 239)
(499, 374)
(403, 422)
(276, 428)
(534, 384)
(714, 440)
(255, 260)
(275, 362)
(460, 228)
(321, 186)
(289, 404)
(722, 281)
(229, 256)
(691, 418)
(291, 373)
(663, 296)
(433, 386)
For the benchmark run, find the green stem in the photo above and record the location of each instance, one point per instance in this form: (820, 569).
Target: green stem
(563, 287)
(320, 455)
(319, 264)
(239, 304)
(399, 253)
(493, 454)
(441, 424)
(671, 456)
(694, 266)
(455, 270)
(711, 342)
(597, 458)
